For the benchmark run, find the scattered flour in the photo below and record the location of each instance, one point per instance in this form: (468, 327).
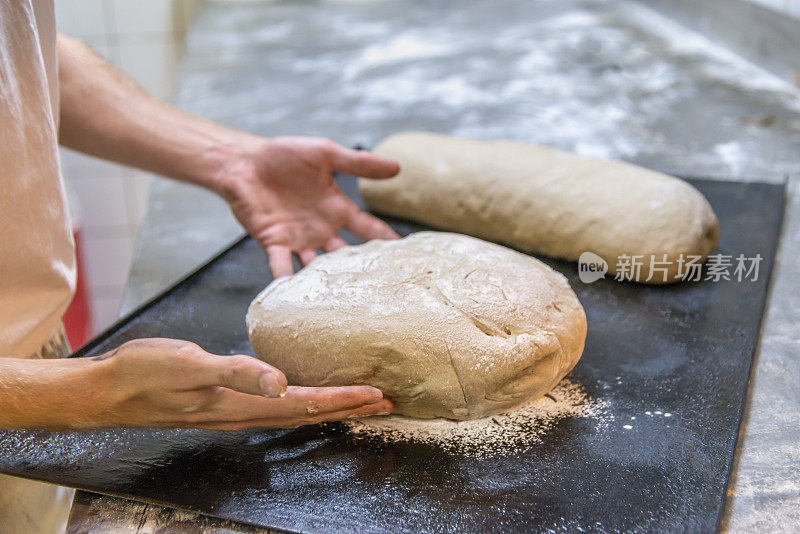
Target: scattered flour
(479, 437)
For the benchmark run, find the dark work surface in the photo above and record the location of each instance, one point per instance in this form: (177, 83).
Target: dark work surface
(685, 349)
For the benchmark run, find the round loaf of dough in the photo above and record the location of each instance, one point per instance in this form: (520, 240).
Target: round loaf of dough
(444, 324)
(540, 199)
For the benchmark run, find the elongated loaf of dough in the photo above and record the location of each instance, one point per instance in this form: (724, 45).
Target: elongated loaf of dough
(544, 200)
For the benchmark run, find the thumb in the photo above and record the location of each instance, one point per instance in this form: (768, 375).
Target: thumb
(245, 374)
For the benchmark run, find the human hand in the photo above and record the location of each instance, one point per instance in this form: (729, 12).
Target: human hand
(283, 193)
(172, 383)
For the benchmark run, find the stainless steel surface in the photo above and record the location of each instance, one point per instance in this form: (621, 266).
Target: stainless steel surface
(764, 492)
(611, 79)
(761, 34)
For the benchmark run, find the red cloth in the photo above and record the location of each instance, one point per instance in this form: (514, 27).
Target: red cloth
(78, 317)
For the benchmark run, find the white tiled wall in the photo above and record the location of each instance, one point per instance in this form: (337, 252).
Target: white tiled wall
(143, 38)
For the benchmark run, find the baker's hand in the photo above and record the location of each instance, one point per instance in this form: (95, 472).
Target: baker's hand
(283, 193)
(172, 383)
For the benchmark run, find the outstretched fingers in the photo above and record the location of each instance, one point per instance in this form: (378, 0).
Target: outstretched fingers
(362, 163)
(306, 256)
(334, 243)
(368, 226)
(383, 407)
(319, 400)
(280, 260)
(297, 404)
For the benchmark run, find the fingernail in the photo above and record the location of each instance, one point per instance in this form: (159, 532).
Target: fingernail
(383, 412)
(373, 390)
(270, 387)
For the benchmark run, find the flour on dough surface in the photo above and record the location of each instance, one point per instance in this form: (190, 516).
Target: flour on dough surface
(445, 325)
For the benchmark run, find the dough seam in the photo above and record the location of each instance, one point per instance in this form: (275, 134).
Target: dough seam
(458, 376)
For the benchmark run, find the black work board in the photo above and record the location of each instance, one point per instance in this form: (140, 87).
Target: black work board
(684, 349)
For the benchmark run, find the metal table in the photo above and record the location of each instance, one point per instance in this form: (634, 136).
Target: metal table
(610, 79)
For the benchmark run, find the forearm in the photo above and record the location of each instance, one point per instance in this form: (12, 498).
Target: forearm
(48, 394)
(105, 114)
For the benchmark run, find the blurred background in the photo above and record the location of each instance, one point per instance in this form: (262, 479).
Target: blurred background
(791, 7)
(608, 82)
